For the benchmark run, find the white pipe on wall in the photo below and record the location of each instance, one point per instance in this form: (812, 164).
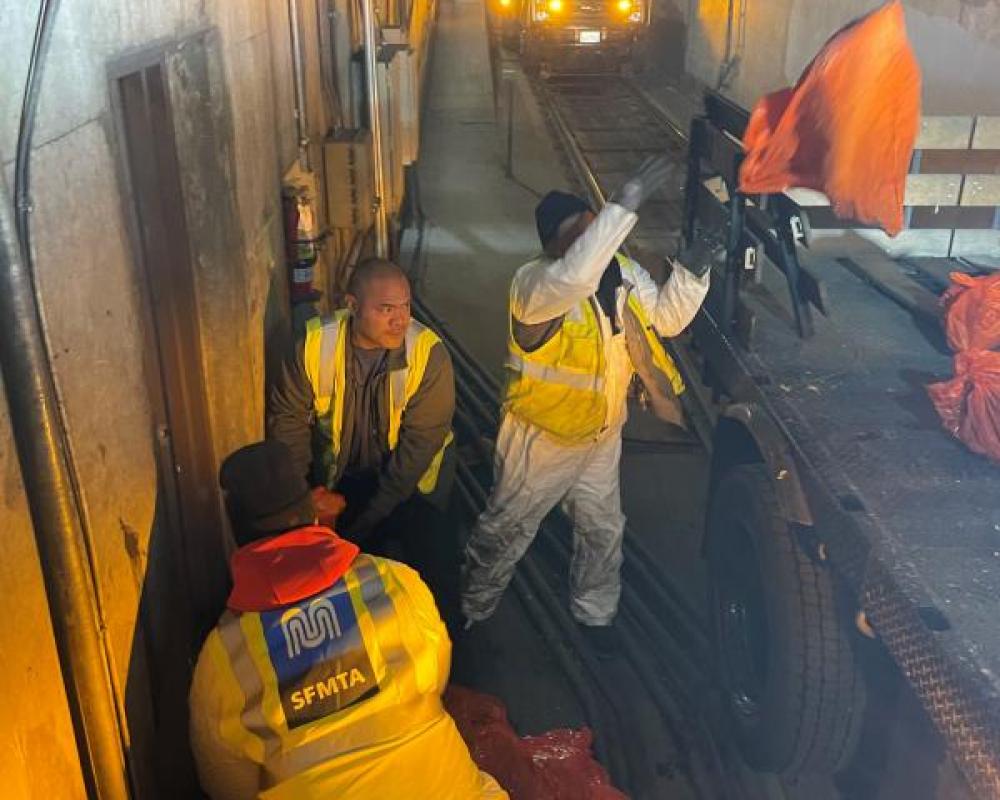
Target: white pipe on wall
(298, 72)
(375, 125)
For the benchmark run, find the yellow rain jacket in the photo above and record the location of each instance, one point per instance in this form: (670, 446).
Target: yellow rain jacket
(324, 680)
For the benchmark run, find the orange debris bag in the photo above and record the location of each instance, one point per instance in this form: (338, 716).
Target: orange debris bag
(969, 404)
(848, 126)
(553, 766)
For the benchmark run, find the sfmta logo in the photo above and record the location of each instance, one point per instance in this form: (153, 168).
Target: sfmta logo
(311, 627)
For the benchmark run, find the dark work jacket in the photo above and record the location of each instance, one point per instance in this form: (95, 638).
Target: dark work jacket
(426, 422)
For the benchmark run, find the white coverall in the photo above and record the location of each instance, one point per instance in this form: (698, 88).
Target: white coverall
(534, 471)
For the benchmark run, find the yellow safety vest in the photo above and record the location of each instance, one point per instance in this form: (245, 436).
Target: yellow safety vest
(339, 694)
(326, 367)
(559, 387)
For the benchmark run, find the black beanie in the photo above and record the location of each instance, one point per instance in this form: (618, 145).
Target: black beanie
(554, 209)
(264, 493)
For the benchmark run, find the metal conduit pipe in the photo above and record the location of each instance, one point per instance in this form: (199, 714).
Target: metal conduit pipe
(375, 125)
(31, 402)
(46, 466)
(298, 72)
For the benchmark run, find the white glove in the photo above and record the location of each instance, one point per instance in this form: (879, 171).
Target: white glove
(653, 174)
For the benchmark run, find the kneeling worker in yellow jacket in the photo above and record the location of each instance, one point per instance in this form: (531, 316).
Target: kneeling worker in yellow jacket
(323, 678)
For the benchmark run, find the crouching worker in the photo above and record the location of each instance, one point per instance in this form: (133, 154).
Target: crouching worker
(323, 678)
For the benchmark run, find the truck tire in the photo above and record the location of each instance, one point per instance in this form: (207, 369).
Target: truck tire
(794, 695)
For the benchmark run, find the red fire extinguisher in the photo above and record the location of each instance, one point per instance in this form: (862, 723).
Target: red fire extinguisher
(300, 244)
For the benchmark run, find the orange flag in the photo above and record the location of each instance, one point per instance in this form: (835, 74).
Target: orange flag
(848, 126)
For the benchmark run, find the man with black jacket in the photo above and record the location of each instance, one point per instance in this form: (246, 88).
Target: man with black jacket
(365, 404)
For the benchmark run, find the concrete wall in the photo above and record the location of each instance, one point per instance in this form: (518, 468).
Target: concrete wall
(956, 41)
(230, 83)
(229, 76)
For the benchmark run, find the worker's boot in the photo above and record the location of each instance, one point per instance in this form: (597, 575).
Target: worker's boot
(603, 640)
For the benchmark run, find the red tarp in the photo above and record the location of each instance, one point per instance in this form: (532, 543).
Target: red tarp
(847, 128)
(969, 404)
(557, 765)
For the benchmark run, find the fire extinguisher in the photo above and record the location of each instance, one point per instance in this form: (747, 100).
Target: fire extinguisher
(300, 245)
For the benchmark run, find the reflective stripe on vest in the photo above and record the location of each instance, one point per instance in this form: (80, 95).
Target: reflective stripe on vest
(325, 360)
(556, 374)
(559, 387)
(272, 695)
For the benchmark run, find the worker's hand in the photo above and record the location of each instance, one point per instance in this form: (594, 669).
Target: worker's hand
(653, 174)
(329, 505)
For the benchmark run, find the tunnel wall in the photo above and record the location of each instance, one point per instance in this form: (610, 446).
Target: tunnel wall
(229, 71)
(957, 43)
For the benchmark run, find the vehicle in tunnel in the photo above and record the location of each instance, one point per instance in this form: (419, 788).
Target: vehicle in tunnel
(580, 34)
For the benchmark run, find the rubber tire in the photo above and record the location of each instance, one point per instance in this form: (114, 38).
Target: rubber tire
(811, 707)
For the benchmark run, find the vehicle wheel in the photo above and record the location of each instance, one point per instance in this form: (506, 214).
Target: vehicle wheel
(793, 692)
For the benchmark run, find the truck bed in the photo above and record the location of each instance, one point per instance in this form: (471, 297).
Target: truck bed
(855, 395)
